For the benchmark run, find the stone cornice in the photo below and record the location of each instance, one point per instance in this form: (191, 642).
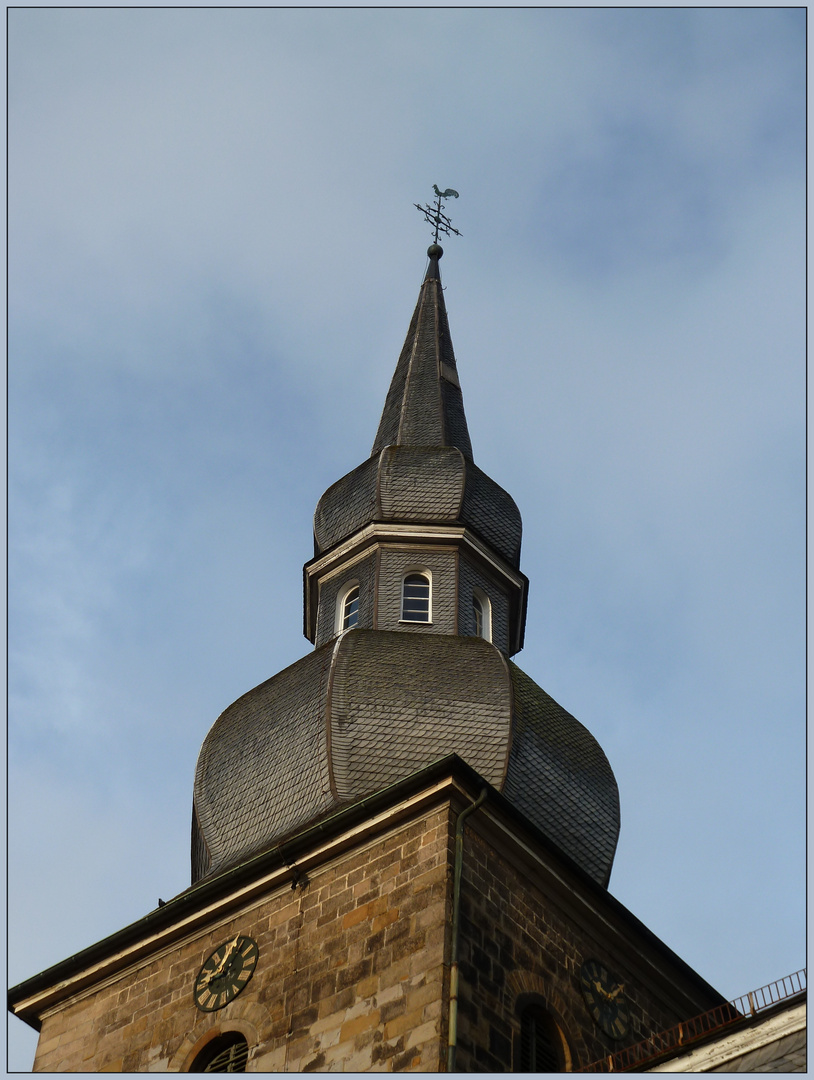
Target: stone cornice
(405, 532)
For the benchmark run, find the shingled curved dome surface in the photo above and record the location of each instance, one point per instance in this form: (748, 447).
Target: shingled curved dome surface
(372, 707)
(435, 485)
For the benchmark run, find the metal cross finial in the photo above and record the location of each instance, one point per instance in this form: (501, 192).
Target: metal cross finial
(433, 214)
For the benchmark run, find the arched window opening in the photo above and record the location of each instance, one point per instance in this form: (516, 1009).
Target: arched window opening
(226, 1053)
(482, 614)
(349, 615)
(541, 1043)
(415, 598)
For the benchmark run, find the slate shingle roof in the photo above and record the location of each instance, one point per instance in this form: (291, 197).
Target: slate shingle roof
(400, 702)
(424, 405)
(372, 707)
(560, 778)
(421, 467)
(437, 485)
(264, 760)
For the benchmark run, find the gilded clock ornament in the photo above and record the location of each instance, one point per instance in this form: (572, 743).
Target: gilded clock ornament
(225, 973)
(604, 995)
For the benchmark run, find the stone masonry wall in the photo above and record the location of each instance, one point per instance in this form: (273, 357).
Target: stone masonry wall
(515, 941)
(351, 975)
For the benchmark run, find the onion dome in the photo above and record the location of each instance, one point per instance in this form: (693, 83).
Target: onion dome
(419, 483)
(373, 707)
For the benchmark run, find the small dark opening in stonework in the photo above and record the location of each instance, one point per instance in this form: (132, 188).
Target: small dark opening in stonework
(227, 1053)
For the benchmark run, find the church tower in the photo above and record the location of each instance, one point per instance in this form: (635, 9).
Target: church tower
(401, 845)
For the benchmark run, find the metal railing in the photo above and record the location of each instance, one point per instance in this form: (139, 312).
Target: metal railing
(689, 1031)
(770, 994)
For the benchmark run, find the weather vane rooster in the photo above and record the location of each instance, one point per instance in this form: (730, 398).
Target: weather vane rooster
(434, 214)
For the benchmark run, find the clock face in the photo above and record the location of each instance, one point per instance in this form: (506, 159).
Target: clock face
(225, 973)
(603, 992)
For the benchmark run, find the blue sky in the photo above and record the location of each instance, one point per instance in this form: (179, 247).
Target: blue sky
(213, 259)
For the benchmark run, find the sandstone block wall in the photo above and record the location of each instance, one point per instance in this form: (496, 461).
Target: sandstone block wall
(350, 977)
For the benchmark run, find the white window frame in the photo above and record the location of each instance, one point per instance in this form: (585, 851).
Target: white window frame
(486, 612)
(421, 571)
(344, 593)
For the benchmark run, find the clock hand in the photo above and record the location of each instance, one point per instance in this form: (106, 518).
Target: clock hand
(227, 956)
(615, 993)
(230, 949)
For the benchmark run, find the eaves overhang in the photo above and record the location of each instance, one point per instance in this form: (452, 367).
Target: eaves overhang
(212, 897)
(449, 779)
(737, 1039)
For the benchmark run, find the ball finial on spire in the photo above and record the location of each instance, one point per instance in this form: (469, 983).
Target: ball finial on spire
(435, 251)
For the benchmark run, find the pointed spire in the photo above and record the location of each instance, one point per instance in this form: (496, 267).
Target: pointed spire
(424, 405)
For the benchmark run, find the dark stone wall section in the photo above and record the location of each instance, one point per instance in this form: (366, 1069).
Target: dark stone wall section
(516, 943)
(395, 563)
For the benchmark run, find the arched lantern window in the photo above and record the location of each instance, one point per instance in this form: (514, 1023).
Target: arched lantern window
(415, 598)
(348, 613)
(482, 615)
